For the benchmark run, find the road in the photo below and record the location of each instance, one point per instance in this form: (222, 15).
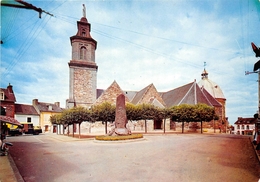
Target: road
(174, 157)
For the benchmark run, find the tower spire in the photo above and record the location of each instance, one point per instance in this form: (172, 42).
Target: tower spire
(84, 11)
(204, 74)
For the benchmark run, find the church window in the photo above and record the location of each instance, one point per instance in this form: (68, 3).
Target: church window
(238, 127)
(83, 52)
(243, 127)
(83, 33)
(247, 127)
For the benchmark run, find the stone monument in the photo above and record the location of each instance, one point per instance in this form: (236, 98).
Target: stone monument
(120, 125)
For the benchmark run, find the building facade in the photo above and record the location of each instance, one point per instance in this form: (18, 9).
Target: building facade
(82, 67)
(46, 110)
(7, 101)
(244, 126)
(215, 91)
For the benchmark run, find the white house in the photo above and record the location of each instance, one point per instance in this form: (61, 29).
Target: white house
(244, 126)
(26, 113)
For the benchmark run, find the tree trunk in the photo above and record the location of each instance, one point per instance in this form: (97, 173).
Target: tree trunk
(79, 130)
(164, 125)
(73, 128)
(182, 127)
(201, 128)
(106, 127)
(68, 129)
(145, 126)
(214, 126)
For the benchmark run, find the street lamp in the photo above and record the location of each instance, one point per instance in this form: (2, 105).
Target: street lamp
(256, 70)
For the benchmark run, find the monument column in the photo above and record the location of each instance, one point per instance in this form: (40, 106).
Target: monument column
(83, 68)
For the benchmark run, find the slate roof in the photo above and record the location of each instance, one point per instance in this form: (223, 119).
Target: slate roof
(25, 109)
(48, 107)
(138, 96)
(187, 94)
(148, 95)
(130, 94)
(245, 121)
(211, 99)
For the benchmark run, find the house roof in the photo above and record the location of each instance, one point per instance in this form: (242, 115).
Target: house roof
(241, 120)
(25, 109)
(6, 119)
(48, 107)
(187, 94)
(9, 95)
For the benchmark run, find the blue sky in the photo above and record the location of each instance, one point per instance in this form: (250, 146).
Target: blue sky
(162, 42)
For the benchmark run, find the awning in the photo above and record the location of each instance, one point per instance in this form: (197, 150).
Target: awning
(6, 119)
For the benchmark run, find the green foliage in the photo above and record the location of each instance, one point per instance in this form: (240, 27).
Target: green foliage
(104, 112)
(192, 113)
(147, 111)
(116, 138)
(132, 112)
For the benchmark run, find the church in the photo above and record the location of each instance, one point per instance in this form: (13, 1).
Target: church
(83, 83)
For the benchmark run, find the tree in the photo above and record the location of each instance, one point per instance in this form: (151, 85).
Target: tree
(104, 112)
(78, 115)
(164, 114)
(204, 113)
(147, 111)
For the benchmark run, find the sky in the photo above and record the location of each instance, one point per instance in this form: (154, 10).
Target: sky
(139, 42)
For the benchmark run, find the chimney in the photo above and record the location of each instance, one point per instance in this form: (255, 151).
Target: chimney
(57, 104)
(35, 102)
(10, 88)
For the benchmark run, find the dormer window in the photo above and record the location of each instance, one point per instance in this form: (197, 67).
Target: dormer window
(2, 96)
(50, 107)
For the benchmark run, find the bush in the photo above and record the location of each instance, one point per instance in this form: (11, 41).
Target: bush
(116, 138)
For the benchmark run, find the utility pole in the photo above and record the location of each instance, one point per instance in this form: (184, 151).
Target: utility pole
(256, 70)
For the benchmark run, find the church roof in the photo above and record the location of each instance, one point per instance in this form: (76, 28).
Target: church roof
(187, 94)
(110, 94)
(213, 88)
(149, 95)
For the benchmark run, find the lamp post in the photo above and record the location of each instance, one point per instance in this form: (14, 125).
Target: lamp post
(256, 70)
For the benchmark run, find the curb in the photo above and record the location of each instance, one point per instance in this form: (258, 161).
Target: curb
(15, 170)
(120, 141)
(254, 147)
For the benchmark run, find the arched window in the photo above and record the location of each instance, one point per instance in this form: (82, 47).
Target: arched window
(83, 32)
(83, 52)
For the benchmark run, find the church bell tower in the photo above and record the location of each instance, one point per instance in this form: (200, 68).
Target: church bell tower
(82, 66)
